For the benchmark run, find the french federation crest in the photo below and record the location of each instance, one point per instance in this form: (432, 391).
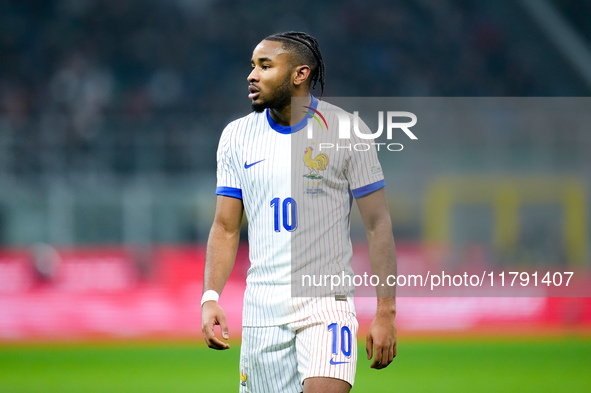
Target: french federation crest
(243, 377)
(314, 164)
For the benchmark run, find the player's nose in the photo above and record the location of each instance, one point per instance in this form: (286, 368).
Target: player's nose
(253, 76)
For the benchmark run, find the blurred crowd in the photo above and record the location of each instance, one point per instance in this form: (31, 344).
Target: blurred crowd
(83, 83)
(577, 12)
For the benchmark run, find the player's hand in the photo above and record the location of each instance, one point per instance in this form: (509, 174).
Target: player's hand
(212, 314)
(381, 341)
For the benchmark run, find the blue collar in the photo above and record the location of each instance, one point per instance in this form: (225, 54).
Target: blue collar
(291, 129)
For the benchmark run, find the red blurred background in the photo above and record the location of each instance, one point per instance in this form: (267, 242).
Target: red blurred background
(118, 292)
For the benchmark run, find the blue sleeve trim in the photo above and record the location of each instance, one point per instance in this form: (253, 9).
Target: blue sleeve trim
(361, 191)
(229, 191)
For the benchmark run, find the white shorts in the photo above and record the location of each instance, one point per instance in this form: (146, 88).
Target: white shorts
(277, 359)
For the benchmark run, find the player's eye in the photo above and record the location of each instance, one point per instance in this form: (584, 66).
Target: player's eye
(265, 66)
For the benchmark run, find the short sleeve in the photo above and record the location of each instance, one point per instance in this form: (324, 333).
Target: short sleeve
(364, 170)
(228, 182)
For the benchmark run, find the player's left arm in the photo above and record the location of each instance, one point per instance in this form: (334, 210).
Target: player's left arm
(381, 338)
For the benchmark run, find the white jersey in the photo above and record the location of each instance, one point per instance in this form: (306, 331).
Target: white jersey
(297, 198)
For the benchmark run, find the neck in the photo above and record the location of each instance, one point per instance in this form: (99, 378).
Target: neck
(283, 116)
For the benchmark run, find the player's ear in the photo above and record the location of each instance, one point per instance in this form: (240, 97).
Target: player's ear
(301, 74)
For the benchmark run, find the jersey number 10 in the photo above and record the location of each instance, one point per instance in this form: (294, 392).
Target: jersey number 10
(288, 211)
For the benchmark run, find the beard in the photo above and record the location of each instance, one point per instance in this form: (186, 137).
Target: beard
(280, 98)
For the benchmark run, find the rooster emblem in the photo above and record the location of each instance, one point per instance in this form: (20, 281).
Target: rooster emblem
(315, 164)
(242, 377)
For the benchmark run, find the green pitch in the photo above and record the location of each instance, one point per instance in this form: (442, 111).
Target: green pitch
(427, 365)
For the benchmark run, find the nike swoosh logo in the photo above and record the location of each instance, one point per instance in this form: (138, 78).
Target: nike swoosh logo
(335, 363)
(246, 166)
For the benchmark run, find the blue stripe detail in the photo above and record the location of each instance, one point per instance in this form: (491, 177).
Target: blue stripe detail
(361, 191)
(229, 191)
(287, 129)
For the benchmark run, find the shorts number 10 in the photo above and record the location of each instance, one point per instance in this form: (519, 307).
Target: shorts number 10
(345, 339)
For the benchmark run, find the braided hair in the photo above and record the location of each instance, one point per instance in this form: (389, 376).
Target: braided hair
(306, 49)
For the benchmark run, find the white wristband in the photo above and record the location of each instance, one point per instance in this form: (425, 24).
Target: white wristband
(210, 295)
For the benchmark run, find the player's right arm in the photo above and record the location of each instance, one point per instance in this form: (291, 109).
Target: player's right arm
(222, 246)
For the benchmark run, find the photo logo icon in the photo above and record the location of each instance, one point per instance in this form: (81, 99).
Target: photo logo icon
(313, 112)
